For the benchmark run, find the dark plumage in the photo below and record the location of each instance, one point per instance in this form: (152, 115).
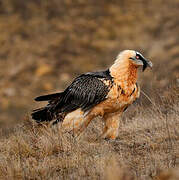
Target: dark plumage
(85, 92)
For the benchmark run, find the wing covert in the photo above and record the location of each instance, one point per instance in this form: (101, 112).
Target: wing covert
(85, 92)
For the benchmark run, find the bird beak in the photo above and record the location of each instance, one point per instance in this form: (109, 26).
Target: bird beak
(146, 63)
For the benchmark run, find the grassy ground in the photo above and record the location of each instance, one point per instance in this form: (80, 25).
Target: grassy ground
(147, 148)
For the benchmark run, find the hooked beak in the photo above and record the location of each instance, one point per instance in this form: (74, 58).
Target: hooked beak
(141, 61)
(146, 63)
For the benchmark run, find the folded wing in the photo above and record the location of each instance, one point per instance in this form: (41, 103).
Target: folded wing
(85, 92)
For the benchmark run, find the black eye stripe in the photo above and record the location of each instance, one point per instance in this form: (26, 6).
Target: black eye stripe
(139, 55)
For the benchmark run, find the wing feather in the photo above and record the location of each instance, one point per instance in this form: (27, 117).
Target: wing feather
(85, 92)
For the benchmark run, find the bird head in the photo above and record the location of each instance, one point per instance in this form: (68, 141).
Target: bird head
(135, 58)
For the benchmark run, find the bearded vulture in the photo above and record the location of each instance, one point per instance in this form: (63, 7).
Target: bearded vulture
(106, 93)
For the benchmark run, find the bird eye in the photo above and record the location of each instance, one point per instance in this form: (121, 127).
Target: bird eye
(137, 57)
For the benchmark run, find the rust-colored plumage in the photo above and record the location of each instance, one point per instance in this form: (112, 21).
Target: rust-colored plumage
(106, 94)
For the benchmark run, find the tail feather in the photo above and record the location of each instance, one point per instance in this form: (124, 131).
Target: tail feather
(55, 109)
(49, 97)
(42, 114)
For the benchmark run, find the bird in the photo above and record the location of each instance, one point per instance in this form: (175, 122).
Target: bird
(106, 94)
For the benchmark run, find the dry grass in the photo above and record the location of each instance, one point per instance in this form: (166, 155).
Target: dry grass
(147, 146)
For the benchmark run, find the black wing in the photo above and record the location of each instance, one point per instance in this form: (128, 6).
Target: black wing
(85, 92)
(49, 97)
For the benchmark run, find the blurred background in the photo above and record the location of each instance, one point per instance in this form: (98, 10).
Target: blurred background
(44, 44)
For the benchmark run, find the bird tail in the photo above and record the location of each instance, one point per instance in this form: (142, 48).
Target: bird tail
(49, 112)
(49, 97)
(43, 114)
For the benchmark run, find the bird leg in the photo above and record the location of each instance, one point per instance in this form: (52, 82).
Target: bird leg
(73, 120)
(111, 126)
(85, 123)
(96, 111)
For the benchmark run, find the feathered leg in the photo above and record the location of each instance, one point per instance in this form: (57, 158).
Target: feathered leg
(87, 119)
(96, 111)
(111, 125)
(73, 120)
